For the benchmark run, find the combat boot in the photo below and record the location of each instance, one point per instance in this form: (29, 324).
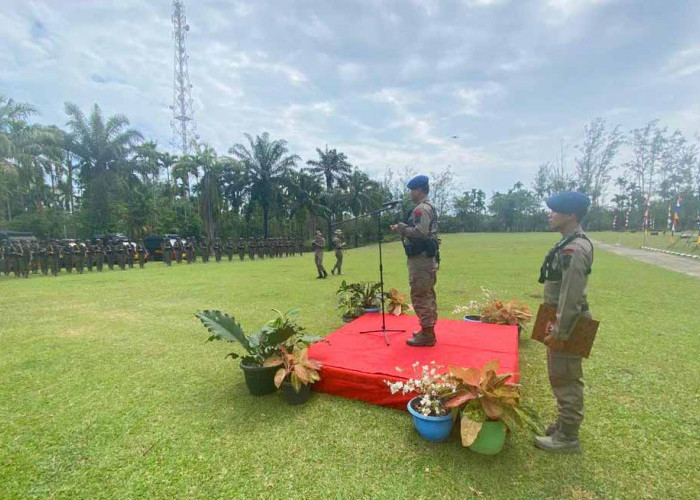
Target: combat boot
(424, 338)
(558, 443)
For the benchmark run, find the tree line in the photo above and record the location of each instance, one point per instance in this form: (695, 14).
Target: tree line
(97, 175)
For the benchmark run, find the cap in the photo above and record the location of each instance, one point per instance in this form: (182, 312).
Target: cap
(570, 203)
(418, 182)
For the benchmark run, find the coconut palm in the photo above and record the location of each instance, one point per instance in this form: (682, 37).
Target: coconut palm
(267, 163)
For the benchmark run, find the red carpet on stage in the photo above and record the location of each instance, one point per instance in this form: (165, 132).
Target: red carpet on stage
(355, 365)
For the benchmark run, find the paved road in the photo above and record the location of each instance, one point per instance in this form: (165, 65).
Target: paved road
(683, 265)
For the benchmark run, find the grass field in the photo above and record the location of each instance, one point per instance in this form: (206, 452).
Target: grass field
(637, 240)
(109, 390)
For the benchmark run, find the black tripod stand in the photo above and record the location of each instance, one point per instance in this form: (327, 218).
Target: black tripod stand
(377, 214)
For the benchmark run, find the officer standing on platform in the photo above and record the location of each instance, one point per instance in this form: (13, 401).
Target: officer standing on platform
(565, 276)
(419, 235)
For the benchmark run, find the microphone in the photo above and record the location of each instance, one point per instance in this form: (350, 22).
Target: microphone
(391, 204)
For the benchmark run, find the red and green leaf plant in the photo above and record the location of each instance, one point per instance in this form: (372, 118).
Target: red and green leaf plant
(295, 366)
(483, 395)
(397, 303)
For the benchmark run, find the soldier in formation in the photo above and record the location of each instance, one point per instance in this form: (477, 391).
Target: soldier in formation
(217, 249)
(141, 249)
(241, 249)
(229, 249)
(167, 248)
(177, 248)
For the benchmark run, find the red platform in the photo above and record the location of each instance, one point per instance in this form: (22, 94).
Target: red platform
(355, 365)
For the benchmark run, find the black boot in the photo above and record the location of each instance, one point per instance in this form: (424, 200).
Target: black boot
(424, 338)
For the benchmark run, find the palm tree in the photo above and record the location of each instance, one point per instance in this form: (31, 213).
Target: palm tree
(17, 142)
(358, 196)
(102, 148)
(209, 190)
(267, 163)
(332, 166)
(12, 114)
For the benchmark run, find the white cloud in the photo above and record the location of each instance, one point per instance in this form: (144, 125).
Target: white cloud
(684, 63)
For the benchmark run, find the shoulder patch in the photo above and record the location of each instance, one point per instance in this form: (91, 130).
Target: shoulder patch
(567, 251)
(418, 211)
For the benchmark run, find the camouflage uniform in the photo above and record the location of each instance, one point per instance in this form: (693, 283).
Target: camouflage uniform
(251, 248)
(68, 258)
(217, 250)
(566, 290)
(130, 255)
(319, 244)
(338, 245)
(89, 251)
(241, 249)
(141, 249)
(121, 255)
(99, 251)
(418, 231)
(79, 257)
(109, 255)
(229, 249)
(177, 248)
(167, 248)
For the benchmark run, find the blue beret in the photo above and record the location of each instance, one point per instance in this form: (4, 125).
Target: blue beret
(418, 182)
(569, 202)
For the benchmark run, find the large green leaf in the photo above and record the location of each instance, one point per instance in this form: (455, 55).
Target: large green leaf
(224, 327)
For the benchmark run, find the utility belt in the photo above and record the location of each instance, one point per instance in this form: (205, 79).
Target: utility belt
(430, 246)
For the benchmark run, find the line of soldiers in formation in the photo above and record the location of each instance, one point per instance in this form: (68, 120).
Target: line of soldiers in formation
(260, 247)
(49, 257)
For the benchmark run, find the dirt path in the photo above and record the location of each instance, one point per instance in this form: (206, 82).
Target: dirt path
(673, 262)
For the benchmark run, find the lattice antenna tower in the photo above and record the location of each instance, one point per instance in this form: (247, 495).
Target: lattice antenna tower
(183, 124)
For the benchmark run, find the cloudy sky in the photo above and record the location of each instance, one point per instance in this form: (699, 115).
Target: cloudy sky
(387, 82)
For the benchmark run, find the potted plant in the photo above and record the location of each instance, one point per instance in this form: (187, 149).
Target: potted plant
(488, 406)
(259, 347)
(295, 373)
(348, 305)
(431, 418)
(355, 299)
(397, 303)
(496, 311)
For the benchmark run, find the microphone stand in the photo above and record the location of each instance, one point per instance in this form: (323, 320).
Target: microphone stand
(377, 214)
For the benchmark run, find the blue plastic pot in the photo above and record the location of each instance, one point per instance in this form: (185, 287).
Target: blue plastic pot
(435, 429)
(472, 318)
(372, 309)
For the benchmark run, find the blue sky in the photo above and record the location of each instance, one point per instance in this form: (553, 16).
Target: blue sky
(387, 82)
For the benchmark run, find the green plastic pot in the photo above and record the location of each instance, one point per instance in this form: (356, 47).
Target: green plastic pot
(490, 439)
(260, 380)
